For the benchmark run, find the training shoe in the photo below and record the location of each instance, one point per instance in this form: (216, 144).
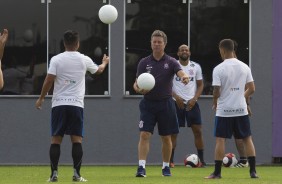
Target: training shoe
(171, 165)
(78, 179)
(254, 175)
(241, 165)
(54, 177)
(166, 171)
(213, 176)
(141, 172)
(202, 165)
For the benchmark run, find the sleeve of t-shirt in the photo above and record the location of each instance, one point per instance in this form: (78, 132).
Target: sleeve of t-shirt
(199, 75)
(216, 77)
(140, 68)
(249, 76)
(52, 67)
(91, 66)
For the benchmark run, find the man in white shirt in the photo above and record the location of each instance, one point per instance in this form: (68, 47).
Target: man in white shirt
(3, 40)
(233, 84)
(67, 72)
(186, 96)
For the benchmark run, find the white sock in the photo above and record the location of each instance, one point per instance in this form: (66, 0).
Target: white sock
(165, 164)
(142, 163)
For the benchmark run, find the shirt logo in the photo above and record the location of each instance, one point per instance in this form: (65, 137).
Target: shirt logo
(166, 66)
(70, 82)
(191, 72)
(149, 68)
(234, 89)
(177, 78)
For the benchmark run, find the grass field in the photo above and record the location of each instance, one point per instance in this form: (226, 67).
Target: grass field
(126, 175)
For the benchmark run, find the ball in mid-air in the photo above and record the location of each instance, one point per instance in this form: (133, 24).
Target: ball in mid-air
(108, 14)
(192, 160)
(146, 81)
(229, 160)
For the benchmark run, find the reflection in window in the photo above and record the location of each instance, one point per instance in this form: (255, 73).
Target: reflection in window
(24, 60)
(142, 18)
(81, 16)
(212, 21)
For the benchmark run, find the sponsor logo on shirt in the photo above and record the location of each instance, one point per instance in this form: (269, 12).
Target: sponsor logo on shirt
(149, 68)
(234, 89)
(234, 110)
(177, 78)
(70, 82)
(72, 100)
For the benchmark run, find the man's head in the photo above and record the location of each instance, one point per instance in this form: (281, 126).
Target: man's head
(183, 52)
(226, 48)
(71, 40)
(158, 41)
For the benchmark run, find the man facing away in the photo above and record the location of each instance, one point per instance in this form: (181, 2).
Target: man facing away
(157, 107)
(67, 72)
(186, 96)
(233, 84)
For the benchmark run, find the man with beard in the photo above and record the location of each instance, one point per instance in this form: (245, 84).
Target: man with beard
(186, 96)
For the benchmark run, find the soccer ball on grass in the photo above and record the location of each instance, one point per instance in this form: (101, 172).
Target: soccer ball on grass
(229, 160)
(192, 160)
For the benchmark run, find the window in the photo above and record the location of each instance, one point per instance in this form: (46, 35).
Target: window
(24, 60)
(212, 21)
(142, 18)
(81, 16)
(209, 21)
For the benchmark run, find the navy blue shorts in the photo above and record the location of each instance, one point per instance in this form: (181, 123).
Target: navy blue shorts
(238, 126)
(66, 119)
(192, 117)
(162, 113)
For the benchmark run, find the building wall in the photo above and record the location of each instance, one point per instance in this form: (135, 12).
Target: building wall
(111, 123)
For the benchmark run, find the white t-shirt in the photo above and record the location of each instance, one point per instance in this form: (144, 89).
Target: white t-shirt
(188, 91)
(231, 75)
(70, 69)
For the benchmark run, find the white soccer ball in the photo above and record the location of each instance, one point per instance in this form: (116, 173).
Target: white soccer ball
(108, 14)
(192, 160)
(229, 160)
(146, 81)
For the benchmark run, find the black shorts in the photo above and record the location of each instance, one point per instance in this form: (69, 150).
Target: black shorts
(191, 117)
(238, 126)
(66, 119)
(162, 113)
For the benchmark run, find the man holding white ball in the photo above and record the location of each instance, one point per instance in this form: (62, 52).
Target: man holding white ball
(157, 107)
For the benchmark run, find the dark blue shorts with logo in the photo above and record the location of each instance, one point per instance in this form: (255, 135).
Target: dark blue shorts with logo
(161, 113)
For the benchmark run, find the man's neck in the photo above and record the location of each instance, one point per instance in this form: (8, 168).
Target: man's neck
(184, 62)
(229, 56)
(158, 56)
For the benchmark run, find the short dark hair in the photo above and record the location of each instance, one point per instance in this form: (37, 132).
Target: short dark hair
(227, 44)
(71, 38)
(160, 34)
(235, 45)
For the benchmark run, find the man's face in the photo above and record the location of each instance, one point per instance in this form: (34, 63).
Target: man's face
(184, 53)
(157, 44)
